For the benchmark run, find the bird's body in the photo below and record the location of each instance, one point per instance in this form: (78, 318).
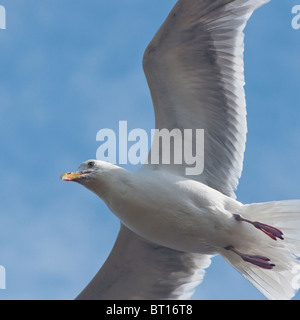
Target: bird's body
(173, 211)
(173, 220)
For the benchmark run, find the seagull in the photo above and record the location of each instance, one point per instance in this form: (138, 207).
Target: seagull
(173, 224)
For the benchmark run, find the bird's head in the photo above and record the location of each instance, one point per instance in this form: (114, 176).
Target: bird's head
(92, 174)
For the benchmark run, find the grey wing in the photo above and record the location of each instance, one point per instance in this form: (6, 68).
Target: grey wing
(195, 71)
(194, 68)
(139, 270)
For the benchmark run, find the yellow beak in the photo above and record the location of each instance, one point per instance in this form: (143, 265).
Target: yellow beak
(70, 176)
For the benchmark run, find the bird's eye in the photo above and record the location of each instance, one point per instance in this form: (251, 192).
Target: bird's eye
(91, 164)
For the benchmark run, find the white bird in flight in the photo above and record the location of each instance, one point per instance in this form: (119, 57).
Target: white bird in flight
(173, 224)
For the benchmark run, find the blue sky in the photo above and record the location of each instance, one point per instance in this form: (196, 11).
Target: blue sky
(70, 68)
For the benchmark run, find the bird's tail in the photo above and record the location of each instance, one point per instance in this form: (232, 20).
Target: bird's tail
(282, 279)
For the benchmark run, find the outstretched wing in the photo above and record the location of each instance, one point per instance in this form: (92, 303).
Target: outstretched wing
(194, 67)
(195, 71)
(139, 270)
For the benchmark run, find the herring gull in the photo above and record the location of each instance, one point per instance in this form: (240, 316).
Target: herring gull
(172, 223)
